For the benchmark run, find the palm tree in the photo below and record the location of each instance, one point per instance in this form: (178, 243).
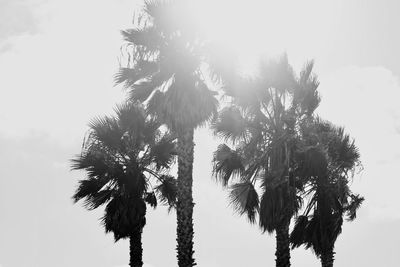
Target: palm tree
(164, 72)
(330, 158)
(121, 157)
(262, 122)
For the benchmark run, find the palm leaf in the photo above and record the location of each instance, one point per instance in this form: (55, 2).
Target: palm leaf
(244, 200)
(231, 125)
(151, 199)
(227, 164)
(167, 190)
(277, 74)
(278, 204)
(123, 216)
(163, 152)
(89, 187)
(353, 206)
(146, 37)
(97, 199)
(298, 232)
(105, 130)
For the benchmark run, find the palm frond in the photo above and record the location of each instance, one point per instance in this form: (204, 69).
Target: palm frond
(163, 152)
(131, 117)
(354, 204)
(146, 37)
(142, 91)
(106, 131)
(123, 216)
(95, 163)
(97, 199)
(342, 149)
(231, 125)
(249, 94)
(227, 164)
(254, 170)
(127, 76)
(142, 70)
(278, 204)
(151, 131)
(277, 74)
(306, 73)
(244, 199)
(297, 235)
(151, 199)
(167, 190)
(89, 187)
(186, 103)
(306, 96)
(314, 162)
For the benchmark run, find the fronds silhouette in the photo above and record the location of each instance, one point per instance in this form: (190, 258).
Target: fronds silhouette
(126, 159)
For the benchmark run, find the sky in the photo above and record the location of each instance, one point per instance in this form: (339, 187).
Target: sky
(57, 60)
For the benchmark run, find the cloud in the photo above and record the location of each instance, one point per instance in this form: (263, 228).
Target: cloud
(18, 17)
(55, 81)
(365, 100)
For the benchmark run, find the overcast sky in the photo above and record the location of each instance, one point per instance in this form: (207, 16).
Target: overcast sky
(57, 59)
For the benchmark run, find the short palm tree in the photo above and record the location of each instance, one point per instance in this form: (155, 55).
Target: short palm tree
(164, 72)
(121, 157)
(329, 158)
(262, 124)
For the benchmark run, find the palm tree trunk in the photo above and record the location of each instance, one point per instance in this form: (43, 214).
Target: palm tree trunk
(136, 250)
(282, 246)
(327, 258)
(184, 208)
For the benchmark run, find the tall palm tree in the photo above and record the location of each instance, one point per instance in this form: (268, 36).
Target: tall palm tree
(262, 122)
(121, 157)
(164, 72)
(330, 158)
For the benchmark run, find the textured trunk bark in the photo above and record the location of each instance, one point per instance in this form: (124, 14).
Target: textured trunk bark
(327, 259)
(184, 208)
(282, 246)
(136, 250)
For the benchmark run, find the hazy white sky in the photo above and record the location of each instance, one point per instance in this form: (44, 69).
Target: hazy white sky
(57, 59)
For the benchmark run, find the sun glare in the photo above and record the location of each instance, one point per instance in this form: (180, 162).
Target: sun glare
(266, 28)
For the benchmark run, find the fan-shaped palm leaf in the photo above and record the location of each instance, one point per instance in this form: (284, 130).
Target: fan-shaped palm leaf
(227, 164)
(244, 199)
(167, 190)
